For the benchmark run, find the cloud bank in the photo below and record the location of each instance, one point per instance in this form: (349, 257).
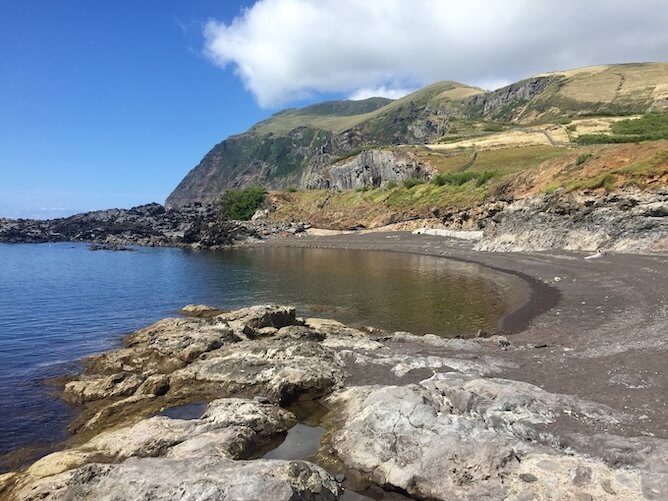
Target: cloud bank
(285, 50)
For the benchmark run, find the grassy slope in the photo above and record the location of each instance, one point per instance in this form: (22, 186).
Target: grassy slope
(576, 103)
(617, 89)
(320, 117)
(518, 172)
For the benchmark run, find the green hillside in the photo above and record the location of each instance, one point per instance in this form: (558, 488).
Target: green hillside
(276, 152)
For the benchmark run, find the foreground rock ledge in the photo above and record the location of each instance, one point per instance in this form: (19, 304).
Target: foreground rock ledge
(422, 416)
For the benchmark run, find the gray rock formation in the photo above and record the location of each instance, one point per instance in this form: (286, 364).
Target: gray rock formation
(193, 225)
(455, 436)
(424, 416)
(507, 102)
(630, 221)
(371, 169)
(163, 458)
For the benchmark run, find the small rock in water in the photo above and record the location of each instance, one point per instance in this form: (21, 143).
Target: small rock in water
(261, 400)
(340, 478)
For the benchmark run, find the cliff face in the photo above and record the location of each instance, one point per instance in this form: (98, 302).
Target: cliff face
(371, 168)
(303, 148)
(508, 103)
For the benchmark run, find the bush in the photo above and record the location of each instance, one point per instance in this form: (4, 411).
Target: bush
(606, 181)
(391, 185)
(651, 127)
(291, 189)
(582, 158)
(242, 204)
(493, 127)
(412, 181)
(485, 176)
(460, 178)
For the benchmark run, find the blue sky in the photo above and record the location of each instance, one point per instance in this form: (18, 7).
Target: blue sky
(109, 103)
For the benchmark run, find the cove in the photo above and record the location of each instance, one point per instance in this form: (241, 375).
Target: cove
(60, 302)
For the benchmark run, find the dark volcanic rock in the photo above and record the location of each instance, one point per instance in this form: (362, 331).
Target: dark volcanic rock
(151, 225)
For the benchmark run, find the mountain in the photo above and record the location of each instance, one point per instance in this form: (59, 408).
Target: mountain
(319, 146)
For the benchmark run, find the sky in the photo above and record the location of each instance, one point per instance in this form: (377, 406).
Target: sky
(110, 103)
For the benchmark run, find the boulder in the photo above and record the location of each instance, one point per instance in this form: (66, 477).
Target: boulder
(457, 436)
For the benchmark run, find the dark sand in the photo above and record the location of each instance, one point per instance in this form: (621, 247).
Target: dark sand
(597, 329)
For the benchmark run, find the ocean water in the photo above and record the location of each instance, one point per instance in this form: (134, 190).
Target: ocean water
(60, 302)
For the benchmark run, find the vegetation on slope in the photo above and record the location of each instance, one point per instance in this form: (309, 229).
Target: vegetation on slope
(241, 204)
(650, 127)
(445, 115)
(502, 173)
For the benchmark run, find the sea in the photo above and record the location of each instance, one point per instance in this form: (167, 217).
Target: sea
(60, 302)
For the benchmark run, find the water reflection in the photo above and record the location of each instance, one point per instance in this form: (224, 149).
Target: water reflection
(422, 294)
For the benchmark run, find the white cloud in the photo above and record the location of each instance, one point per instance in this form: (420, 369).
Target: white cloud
(382, 91)
(289, 49)
(491, 83)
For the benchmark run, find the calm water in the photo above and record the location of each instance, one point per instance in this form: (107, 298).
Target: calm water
(59, 302)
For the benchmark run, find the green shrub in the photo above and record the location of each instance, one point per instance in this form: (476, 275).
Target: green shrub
(362, 189)
(650, 127)
(241, 204)
(582, 158)
(606, 181)
(460, 178)
(572, 127)
(485, 176)
(492, 127)
(391, 185)
(411, 182)
(291, 189)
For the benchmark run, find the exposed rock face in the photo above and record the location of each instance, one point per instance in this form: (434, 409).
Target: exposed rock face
(167, 479)
(259, 350)
(371, 169)
(424, 416)
(455, 436)
(507, 101)
(631, 221)
(163, 458)
(151, 225)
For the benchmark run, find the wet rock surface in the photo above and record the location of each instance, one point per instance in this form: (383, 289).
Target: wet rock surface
(426, 417)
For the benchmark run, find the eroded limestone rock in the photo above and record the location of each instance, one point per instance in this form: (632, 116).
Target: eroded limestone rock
(187, 453)
(458, 436)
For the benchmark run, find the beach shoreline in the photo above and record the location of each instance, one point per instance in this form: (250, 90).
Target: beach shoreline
(584, 330)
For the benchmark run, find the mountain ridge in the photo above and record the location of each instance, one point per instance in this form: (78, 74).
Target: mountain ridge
(297, 147)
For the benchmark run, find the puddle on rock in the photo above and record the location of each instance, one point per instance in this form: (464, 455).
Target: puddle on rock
(188, 411)
(301, 442)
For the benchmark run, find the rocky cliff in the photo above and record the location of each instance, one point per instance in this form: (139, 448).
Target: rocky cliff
(296, 148)
(368, 169)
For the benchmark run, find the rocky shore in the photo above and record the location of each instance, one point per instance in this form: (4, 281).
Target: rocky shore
(152, 225)
(404, 416)
(627, 221)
